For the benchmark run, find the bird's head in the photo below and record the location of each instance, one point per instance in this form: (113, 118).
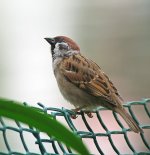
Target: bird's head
(62, 46)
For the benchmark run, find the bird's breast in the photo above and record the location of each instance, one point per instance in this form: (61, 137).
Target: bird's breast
(72, 93)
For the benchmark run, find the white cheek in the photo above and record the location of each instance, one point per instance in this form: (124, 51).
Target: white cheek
(56, 50)
(59, 52)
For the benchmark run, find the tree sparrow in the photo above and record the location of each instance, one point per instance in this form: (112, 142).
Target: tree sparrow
(82, 82)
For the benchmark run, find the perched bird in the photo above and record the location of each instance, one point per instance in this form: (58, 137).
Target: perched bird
(82, 82)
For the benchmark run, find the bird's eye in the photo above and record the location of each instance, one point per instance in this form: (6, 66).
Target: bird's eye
(63, 47)
(52, 40)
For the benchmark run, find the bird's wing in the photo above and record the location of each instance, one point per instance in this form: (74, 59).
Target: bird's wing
(89, 77)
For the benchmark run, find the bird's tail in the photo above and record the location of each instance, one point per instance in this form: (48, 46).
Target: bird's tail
(129, 120)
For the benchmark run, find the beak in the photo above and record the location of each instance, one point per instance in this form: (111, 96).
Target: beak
(50, 40)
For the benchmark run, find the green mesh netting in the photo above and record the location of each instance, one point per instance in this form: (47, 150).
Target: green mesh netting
(101, 139)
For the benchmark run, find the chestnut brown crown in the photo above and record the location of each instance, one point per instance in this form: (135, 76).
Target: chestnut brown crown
(59, 39)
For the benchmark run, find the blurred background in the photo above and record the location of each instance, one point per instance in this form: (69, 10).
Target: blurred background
(114, 33)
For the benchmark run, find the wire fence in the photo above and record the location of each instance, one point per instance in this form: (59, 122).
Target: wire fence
(119, 140)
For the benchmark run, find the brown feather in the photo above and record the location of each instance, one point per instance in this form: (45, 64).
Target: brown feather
(88, 76)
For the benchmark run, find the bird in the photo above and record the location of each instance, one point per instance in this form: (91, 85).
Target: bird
(83, 83)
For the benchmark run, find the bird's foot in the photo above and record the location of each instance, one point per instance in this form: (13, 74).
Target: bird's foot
(89, 114)
(74, 116)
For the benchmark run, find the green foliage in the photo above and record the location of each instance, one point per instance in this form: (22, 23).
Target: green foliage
(43, 122)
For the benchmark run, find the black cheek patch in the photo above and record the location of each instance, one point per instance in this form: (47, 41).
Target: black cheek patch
(63, 47)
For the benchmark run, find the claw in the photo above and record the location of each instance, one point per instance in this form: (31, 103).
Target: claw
(74, 116)
(89, 114)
